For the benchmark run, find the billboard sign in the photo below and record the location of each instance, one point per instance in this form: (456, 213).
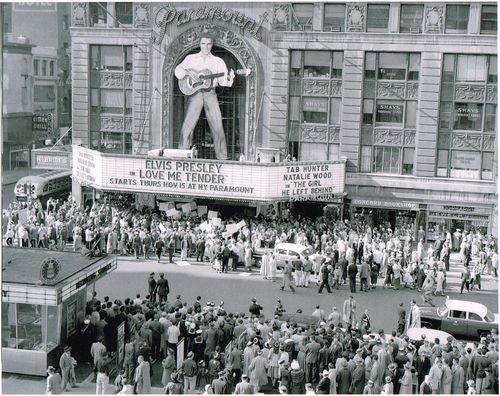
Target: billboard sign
(209, 178)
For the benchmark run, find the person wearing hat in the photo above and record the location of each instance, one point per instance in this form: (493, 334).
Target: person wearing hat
(174, 387)
(297, 377)
(388, 388)
(258, 371)
(255, 308)
(219, 384)
(406, 380)
(243, 387)
(358, 377)
(53, 382)
(235, 362)
(393, 374)
(370, 388)
(66, 364)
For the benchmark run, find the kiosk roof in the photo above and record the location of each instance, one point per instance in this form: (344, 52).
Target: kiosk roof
(22, 265)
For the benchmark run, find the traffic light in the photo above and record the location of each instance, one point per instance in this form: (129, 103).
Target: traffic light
(32, 189)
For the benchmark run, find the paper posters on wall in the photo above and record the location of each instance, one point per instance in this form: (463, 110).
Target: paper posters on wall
(212, 214)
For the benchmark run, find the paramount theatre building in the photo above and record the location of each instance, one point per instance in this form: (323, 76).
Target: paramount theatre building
(390, 110)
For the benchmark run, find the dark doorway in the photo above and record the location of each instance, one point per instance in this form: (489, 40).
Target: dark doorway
(232, 102)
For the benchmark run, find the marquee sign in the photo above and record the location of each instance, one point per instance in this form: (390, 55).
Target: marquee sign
(209, 178)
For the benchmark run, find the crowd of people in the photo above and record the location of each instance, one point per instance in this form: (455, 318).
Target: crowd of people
(246, 352)
(344, 251)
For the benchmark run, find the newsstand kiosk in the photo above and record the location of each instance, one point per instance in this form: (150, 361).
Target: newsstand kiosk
(44, 294)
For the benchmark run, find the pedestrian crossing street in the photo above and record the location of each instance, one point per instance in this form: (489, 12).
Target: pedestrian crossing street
(453, 277)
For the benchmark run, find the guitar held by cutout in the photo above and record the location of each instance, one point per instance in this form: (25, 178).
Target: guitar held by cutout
(204, 80)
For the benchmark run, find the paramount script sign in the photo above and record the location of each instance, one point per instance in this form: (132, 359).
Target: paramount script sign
(209, 178)
(169, 14)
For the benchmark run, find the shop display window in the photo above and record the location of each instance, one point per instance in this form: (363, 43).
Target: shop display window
(30, 327)
(411, 18)
(489, 19)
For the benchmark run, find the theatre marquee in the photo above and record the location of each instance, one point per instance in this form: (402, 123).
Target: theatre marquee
(209, 178)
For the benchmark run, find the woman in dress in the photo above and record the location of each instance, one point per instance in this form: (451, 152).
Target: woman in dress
(248, 256)
(439, 283)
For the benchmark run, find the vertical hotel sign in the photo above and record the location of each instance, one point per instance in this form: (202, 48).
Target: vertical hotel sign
(314, 181)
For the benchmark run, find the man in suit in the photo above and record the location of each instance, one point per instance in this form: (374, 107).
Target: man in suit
(66, 364)
(312, 358)
(243, 387)
(163, 288)
(152, 287)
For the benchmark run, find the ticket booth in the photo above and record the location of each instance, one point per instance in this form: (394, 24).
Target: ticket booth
(44, 293)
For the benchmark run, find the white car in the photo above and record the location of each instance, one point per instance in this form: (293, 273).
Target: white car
(291, 251)
(415, 334)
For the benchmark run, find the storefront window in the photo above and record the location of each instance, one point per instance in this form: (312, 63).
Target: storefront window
(411, 18)
(457, 17)
(9, 325)
(468, 116)
(29, 326)
(489, 19)
(334, 18)
(377, 18)
(53, 328)
(302, 16)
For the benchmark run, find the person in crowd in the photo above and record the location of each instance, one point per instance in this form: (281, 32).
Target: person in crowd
(54, 382)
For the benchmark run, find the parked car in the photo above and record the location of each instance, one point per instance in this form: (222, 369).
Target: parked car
(462, 319)
(291, 251)
(416, 333)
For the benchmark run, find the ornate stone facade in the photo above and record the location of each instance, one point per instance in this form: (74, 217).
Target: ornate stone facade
(412, 91)
(334, 134)
(116, 124)
(409, 138)
(466, 141)
(434, 17)
(115, 80)
(390, 90)
(313, 133)
(469, 92)
(80, 14)
(336, 88)
(356, 17)
(232, 42)
(489, 142)
(316, 87)
(388, 137)
(281, 16)
(491, 94)
(142, 15)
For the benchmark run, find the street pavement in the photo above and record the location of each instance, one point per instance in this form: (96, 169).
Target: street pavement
(236, 288)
